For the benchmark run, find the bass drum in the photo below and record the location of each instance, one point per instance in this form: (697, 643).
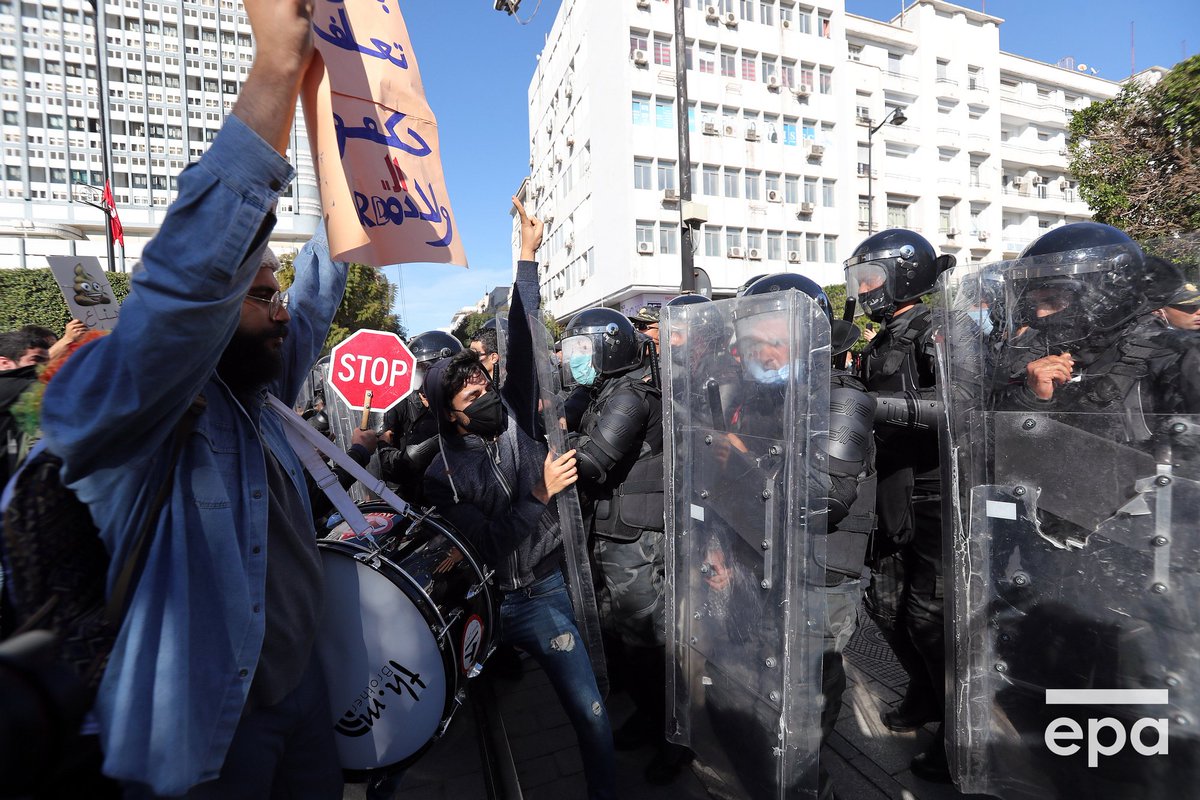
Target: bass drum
(409, 616)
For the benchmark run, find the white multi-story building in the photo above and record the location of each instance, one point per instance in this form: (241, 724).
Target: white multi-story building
(782, 97)
(173, 72)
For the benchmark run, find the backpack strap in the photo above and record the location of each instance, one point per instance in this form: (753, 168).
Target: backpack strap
(135, 562)
(906, 340)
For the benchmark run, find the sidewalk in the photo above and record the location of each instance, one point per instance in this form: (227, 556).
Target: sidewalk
(866, 760)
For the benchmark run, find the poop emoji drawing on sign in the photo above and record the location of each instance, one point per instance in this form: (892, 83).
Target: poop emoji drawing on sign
(89, 291)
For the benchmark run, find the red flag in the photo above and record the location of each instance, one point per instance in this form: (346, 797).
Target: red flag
(114, 222)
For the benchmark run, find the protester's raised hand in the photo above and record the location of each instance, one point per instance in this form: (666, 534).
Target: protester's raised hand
(531, 232)
(284, 48)
(282, 31)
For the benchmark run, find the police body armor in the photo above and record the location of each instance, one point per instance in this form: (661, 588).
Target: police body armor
(632, 498)
(745, 551)
(1076, 552)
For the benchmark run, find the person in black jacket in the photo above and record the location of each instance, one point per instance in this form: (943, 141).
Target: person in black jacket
(493, 480)
(889, 273)
(618, 443)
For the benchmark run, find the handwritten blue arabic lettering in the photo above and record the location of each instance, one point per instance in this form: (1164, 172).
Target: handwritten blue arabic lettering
(339, 34)
(375, 211)
(371, 133)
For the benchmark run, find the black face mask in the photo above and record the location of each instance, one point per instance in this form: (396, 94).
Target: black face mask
(488, 417)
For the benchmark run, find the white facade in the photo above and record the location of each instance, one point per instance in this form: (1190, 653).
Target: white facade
(173, 71)
(781, 98)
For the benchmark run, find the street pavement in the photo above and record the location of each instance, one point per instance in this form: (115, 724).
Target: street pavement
(865, 759)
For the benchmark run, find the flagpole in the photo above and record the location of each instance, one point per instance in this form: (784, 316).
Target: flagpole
(102, 111)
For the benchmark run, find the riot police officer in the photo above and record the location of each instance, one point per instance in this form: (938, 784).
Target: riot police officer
(887, 274)
(848, 482)
(618, 446)
(409, 428)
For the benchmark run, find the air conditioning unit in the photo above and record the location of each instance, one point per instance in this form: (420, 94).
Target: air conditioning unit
(793, 256)
(570, 141)
(550, 126)
(1064, 152)
(1038, 180)
(548, 220)
(735, 252)
(558, 292)
(569, 243)
(803, 90)
(1018, 182)
(754, 254)
(639, 58)
(773, 83)
(983, 236)
(535, 190)
(774, 196)
(729, 130)
(568, 89)
(816, 151)
(643, 3)
(531, 162)
(952, 232)
(645, 248)
(785, 24)
(1063, 183)
(711, 13)
(751, 134)
(670, 196)
(731, 20)
(807, 208)
(710, 129)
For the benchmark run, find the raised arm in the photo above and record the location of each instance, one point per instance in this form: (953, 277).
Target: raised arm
(521, 387)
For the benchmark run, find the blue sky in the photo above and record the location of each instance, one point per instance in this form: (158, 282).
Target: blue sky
(476, 64)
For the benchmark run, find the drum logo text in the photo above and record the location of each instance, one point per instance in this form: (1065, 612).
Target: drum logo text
(359, 719)
(1061, 733)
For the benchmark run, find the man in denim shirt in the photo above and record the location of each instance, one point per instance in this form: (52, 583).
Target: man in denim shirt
(212, 689)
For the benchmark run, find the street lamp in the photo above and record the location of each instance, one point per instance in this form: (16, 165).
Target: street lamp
(896, 115)
(102, 109)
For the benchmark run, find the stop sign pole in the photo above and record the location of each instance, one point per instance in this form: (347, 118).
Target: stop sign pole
(371, 370)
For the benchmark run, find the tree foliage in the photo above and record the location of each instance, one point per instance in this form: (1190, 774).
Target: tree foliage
(33, 297)
(367, 302)
(1137, 156)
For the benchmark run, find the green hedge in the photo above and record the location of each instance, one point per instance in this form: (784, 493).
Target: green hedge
(32, 296)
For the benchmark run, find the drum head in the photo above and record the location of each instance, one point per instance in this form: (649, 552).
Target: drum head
(384, 667)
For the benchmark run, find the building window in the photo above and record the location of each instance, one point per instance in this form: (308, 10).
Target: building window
(747, 9)
(753, 185)
(897, 213)
(789, 134)
(791, 189)
(804, 17)
(864, 211)
(641, 173)
(772, 182)
(662, 52)
(728, 63)
(733, 238)
(645, 233)
(827, 193)
(666, 175)
(826, 80)
(668, 238)
(712, 180)
(766, 12)
(754, 240)
(810, 190)
(731, 181)
(641, 110)
(806, 76)
(664, 112)
(749, 72)
(945, 216)
(637, 41)
(708, 59)
(712, 240)
(769, 69)
(774, 245)
(830, 249)
(787, 73)
(825, 25)
(812, 247)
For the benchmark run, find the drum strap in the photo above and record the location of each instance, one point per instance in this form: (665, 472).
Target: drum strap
(312, 449)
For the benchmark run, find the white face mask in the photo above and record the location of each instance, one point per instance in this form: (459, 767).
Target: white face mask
(770, 377)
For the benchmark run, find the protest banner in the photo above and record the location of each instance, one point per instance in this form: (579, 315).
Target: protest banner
(375, 140)
(86, 289)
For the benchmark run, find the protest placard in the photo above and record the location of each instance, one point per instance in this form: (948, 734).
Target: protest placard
(375, 140)
(86, 290)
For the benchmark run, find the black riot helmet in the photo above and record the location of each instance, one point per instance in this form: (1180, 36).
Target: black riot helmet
(1084, 282)
(843, 334)
(687, 300)
(430, 346)
(499, 323)
(703, 327)
(597, 343)
(891, 268)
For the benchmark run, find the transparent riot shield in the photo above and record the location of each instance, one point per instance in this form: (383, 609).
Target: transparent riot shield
(746, 390)
(570, 519)
(343, 421)
(1073, 562)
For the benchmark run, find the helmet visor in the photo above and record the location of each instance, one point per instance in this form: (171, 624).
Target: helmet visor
(862, 279)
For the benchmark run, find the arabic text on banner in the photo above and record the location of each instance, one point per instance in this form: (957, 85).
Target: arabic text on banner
(375, 140)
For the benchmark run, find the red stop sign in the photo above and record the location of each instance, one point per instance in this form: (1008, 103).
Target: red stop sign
(374, 361)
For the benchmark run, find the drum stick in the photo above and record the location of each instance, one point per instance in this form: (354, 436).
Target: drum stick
(366, 417)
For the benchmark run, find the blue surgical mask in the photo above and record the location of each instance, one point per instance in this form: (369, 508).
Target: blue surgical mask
(582, 369)
(983, 318)
(771, 377)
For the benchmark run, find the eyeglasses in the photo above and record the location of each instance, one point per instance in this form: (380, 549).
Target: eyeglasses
(276, 303)
(645, 326)
(1188, 309)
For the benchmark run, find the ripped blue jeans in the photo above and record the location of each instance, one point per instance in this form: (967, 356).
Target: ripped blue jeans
(539, 620)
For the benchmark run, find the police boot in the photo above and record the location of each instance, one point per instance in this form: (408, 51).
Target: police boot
(932, 765)
(915, 710)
